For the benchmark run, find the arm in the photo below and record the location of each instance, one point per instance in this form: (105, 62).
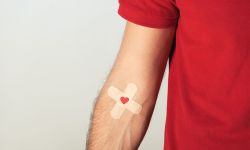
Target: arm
(141, 60)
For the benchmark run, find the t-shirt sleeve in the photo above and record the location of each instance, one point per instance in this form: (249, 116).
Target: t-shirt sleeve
(150, 13)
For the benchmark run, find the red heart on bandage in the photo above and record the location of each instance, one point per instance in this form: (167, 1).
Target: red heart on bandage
(124, 100)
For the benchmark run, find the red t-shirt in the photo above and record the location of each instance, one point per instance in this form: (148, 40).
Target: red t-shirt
(209, 77)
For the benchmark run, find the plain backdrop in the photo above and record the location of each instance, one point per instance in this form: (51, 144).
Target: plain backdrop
(54, 58)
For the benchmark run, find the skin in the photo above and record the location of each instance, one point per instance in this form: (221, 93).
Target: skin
(141, 60)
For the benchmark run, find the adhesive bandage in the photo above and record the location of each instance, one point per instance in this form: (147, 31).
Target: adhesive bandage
(124, 100)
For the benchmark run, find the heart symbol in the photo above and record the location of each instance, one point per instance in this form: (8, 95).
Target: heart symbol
(124, 100)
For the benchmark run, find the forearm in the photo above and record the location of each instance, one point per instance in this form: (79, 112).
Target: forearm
(144, 69)
(126, 132)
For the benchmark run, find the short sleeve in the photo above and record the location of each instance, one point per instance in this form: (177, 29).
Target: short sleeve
(150, 13)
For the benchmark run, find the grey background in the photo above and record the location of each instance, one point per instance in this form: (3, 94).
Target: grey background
(54, 58)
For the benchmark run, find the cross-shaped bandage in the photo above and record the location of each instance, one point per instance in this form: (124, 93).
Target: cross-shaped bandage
(124, 100)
